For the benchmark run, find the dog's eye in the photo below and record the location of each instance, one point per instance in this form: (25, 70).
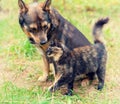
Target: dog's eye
(33, 30)
(31, 40)
(45, 27)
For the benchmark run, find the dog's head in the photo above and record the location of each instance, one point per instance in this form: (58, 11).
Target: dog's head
(55, 50)
(37, 21)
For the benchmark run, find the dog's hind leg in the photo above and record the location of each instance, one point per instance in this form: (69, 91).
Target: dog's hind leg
(46, 70)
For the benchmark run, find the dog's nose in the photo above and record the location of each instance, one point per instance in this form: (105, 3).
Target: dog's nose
(43, 42)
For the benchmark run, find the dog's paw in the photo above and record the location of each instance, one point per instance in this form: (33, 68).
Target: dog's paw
(42, 78)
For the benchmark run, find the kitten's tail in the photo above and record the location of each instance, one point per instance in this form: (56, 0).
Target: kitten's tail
(97, 30)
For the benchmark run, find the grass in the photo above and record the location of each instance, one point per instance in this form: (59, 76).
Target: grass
(21, 64)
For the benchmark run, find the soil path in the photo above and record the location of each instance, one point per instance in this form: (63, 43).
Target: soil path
(21, 79)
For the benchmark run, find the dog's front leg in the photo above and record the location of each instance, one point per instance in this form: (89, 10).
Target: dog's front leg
(46, 69)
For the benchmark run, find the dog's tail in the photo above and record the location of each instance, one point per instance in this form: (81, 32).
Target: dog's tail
(97, 30)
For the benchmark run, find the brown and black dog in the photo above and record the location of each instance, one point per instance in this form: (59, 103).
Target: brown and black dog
(89, 60)
(42, 23)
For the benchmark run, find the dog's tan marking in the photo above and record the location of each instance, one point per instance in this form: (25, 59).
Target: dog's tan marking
(44, 23)
(35, 37)
(33, 25)
(45, 46)
(26, 32)
(40, 49)
(25, 27)
(45, 70)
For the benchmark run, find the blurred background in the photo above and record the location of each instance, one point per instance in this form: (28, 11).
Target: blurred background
(21, 64)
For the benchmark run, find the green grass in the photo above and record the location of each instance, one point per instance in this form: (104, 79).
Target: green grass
(19, 60)
(11, 94)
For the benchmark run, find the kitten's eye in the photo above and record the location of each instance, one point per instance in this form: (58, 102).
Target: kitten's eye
(33, 30)
(52, 43)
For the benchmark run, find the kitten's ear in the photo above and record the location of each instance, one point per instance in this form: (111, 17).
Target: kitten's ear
(64, 47)
(22, 6)
(47, 4)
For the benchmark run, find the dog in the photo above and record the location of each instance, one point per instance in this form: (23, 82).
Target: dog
(42, 23)
(89, 60)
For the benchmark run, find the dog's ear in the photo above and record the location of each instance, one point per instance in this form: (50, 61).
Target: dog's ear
(22, 6)
(47, 4)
